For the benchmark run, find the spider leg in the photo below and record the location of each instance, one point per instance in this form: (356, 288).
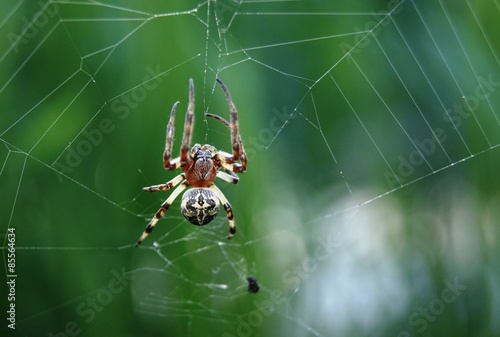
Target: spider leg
(226, 161)
(230, 177)
(168, 185)
(219, 118)
(238, 152)
(188, 125)
(174, 164)
(227, 207)
(163, 208)
(226, 123)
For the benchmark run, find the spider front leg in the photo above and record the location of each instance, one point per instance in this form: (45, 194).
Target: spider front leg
(227, 207)
(164, 207)
(167, 163)
(188, 126)
(229, 160)
(168, 185)
(186, 137)
(238, 152)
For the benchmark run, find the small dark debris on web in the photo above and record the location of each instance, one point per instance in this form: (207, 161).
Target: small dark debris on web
(253, 286)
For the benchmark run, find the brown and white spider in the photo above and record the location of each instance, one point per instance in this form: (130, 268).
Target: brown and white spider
(201, 165)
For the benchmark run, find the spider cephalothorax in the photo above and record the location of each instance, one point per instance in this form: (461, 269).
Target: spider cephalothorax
(201, 165)
(202, 169)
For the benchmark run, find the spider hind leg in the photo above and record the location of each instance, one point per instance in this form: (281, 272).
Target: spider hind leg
(227, 208)
(164, 207)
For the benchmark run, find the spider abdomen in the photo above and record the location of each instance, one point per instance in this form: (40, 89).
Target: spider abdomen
(199, 206)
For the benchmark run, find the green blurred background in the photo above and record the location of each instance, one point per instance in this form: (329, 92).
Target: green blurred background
(370, 204)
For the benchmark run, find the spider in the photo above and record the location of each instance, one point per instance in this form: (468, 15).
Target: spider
(201, 165)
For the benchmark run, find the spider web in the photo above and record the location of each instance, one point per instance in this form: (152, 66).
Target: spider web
(370, 203)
